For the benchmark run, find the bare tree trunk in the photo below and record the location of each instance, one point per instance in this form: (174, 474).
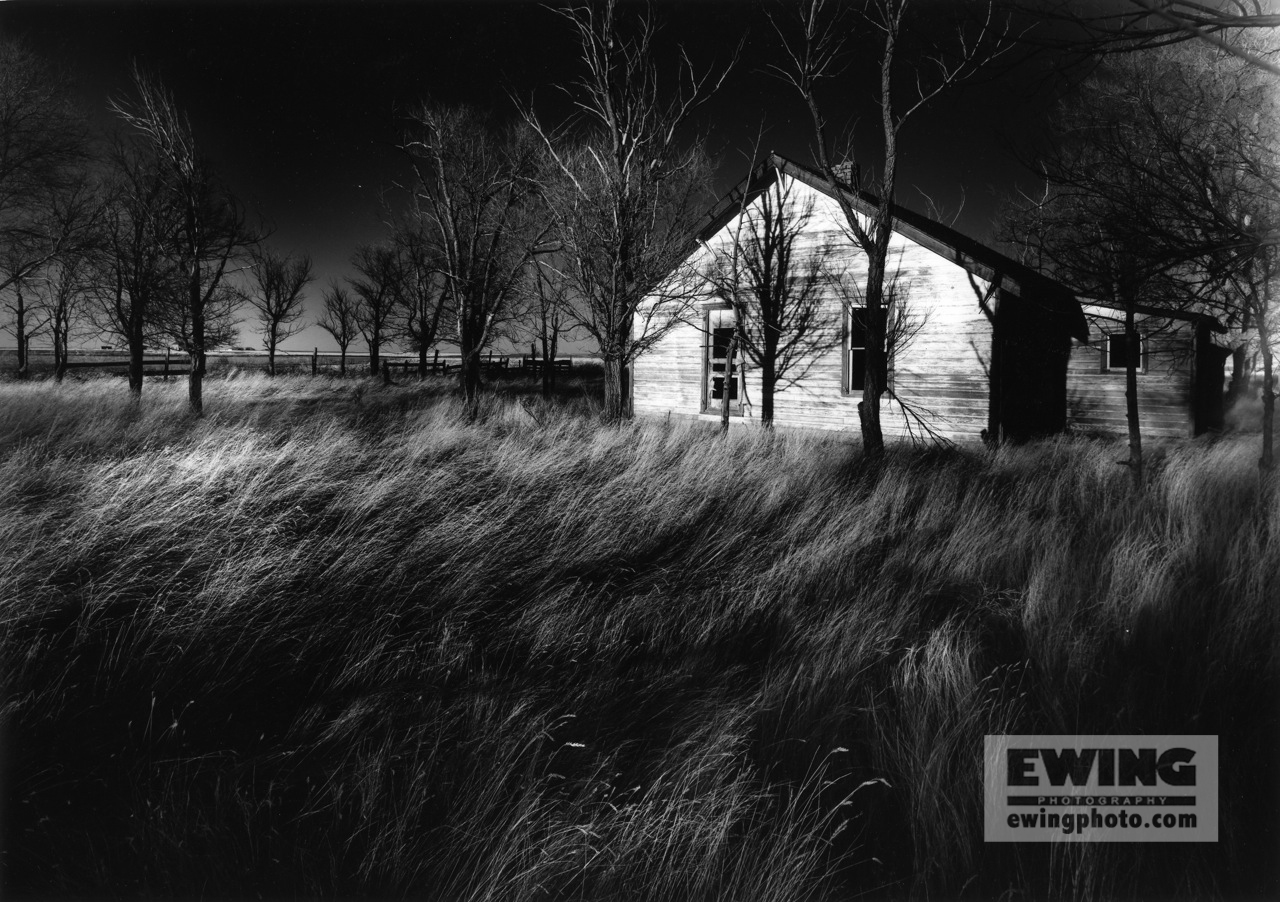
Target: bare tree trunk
(768, 386)
(1133, 354)
(548, 364)
(615, 393)
(469, 375)
(342, 361)
(1267, 462)
(374, 356)
(136, 327)
(422, 362)
(195, 382)
(59, 354)
(546, 360)
(869, 406)
(135, 363)
(20, 330)
(271, 353)
(470, 344)
(730, 379)
(555, 351)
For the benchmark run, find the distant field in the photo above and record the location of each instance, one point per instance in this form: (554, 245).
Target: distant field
(42, 359)
(350, 640)
(296, 362)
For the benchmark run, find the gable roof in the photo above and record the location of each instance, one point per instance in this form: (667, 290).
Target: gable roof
(980, 260)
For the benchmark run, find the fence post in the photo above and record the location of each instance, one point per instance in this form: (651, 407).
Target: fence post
(435, 362)
(315, 359)
(166, 364)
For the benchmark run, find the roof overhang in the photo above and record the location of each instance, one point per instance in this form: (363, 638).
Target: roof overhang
(1111, 310)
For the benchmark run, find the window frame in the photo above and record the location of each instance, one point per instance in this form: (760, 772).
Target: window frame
(847, 349)
(710, 404)
(1111, 335)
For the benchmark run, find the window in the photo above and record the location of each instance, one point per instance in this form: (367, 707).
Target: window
(1117, 352)
(717, 368)
(856, 357)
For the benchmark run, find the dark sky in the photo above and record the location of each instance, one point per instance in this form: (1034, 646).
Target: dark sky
(300, 105)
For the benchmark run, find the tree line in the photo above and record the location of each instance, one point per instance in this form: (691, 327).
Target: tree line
(131, 235)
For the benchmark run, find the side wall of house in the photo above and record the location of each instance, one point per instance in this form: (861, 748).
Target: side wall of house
(1095, 396)
(938, 378)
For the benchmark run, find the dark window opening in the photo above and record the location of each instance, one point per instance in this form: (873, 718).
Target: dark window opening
(858, 343)
(718, 367)
(721, 338)
(1118, 353)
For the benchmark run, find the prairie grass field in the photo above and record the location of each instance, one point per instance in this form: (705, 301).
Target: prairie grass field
(340, 639)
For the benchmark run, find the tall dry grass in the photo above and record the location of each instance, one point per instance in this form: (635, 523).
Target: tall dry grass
(344, 639)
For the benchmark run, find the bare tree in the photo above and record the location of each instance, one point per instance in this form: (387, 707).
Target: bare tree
(19, 301)
(631, 189)
(63, 233)
(1105, 29)
(133, 269)
(66, 291)
(64, 285)
(43, 144)
(473, 194)
(815, 53)
(340, 320)
(218, 323)
(212, 233)
(552, 315)
(419, 292)
(778, 287)
(276, 296)
(375, 291)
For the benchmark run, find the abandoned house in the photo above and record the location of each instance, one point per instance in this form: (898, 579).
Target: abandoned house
(981, 345)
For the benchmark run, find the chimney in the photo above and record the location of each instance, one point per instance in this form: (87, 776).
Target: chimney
(848, 173)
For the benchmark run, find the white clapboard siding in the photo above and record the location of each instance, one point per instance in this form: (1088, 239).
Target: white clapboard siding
(940, 374)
